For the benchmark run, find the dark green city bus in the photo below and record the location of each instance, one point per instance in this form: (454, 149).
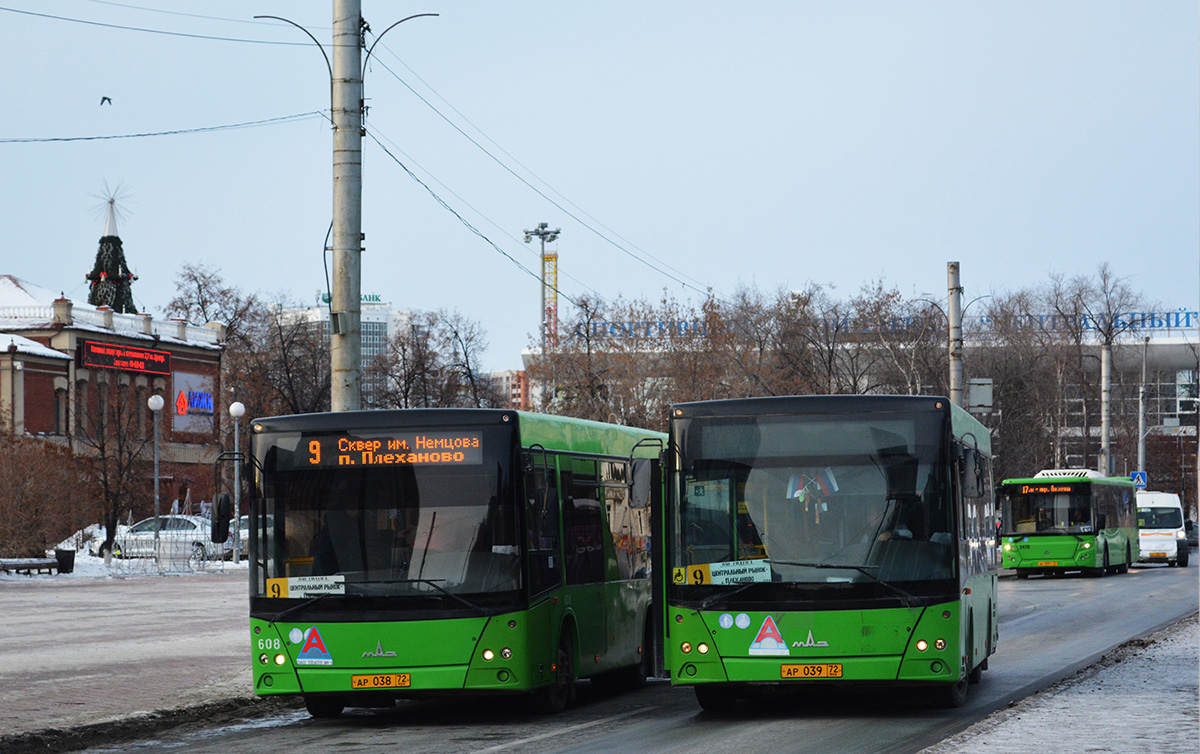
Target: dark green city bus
(835, 540)
(448, 551)
(1063, 520)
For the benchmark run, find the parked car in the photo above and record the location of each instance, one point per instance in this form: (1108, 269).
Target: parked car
(178, 537)
(1192, 533)
(244, 535)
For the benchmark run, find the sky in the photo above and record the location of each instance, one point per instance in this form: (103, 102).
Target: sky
(679, 147)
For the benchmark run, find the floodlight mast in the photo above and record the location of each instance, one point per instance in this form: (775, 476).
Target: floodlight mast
(542, 232)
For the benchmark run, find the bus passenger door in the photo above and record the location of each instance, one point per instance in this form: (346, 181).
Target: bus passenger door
(585, 558)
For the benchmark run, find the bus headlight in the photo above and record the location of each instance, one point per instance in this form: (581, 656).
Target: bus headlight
(263, 659)
(686, 647)
(1087, 545)
(1007, 547)
(280, 659)
(922, 645)
(506, 653)
(940, 644)
(702, 649)
(488, 655)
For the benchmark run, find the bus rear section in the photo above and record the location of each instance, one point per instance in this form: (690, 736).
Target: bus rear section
(1068, 520)
(424, 553)
(1161, 532)
(841, 540)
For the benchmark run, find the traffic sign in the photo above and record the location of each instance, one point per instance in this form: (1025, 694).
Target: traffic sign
(1139, 479)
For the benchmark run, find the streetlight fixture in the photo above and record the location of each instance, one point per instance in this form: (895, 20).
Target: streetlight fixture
(155, 404)
(236, 410)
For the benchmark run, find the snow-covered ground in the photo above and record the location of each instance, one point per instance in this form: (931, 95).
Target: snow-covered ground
(1142, 697)
(88, 566)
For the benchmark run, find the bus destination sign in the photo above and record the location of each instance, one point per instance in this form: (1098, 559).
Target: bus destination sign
(397, 449)
(124, 358)
(1045, 489)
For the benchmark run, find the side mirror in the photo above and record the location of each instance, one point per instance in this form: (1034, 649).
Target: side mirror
(220, 520)
(641, 483)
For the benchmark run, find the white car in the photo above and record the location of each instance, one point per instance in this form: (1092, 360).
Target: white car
(186, 537)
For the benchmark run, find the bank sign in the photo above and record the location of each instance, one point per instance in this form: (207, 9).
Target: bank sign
(194, 403)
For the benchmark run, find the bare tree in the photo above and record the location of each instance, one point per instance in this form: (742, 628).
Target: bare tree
(113, 440)
(47, 496)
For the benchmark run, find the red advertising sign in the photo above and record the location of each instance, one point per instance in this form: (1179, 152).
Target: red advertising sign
(124, 358)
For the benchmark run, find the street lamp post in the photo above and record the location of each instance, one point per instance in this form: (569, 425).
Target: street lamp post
(155, 404)
(236, 409)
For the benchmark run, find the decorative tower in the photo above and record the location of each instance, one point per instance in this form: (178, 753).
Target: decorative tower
(110, 278)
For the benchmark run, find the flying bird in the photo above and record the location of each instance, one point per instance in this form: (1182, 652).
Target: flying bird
(105, 101)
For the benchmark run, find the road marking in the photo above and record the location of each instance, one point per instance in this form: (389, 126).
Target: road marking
(561, 731)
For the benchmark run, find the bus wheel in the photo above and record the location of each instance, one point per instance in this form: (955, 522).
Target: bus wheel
(715, 699)
(1103, 569)
(553, 699)
(1124, 567)
(323, 706)
(953, 695)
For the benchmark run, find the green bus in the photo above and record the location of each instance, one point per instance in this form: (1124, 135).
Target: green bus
(448, 551)
(835, 540)
(1063, 520)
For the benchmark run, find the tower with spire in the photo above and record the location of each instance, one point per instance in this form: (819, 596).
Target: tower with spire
(110, 278)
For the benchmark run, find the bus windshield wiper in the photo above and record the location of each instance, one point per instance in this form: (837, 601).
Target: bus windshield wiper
(302, 605)
(864, 570)
(726, 595)
(433, 583)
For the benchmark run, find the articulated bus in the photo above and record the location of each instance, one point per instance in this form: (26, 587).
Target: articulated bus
(448, 551)
(1068, 520)
(832, 540)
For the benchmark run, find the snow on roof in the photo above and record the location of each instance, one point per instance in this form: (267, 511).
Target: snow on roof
(17, 292)
(29, 347)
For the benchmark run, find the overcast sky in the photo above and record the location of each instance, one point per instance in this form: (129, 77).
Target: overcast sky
(764, 143)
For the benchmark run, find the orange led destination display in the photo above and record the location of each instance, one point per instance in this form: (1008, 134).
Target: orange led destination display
(1045, 489)
(398, 449)
(125, 358)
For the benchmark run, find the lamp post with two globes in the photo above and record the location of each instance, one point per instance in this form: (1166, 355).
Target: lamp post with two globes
(155, 404)
(236, 410)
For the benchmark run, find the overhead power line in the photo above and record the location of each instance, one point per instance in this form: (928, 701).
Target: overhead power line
(461, 219)
(552, 201)
(152, 31)
(228, 127)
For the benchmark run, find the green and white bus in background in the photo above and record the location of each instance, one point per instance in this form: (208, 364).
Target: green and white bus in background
(1063, 520)
(448, 551)
(845, 540)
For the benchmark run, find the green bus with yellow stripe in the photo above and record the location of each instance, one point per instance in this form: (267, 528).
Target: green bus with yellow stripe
(828, 540)
(433, 552)
(1063, 520)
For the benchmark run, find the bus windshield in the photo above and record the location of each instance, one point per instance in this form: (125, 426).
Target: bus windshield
(1047, 513)
(389, 529)
(816, 499)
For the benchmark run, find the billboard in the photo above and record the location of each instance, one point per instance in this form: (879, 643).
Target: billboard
(193, 403)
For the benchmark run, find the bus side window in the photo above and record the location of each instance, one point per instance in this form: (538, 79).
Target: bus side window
(542, 506)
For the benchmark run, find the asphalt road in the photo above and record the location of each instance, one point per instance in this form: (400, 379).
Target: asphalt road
(1049, 628)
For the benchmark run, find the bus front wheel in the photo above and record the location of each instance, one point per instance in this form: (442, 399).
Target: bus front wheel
(553, 699)
(715, 699)
(953, 695)
(323, 706)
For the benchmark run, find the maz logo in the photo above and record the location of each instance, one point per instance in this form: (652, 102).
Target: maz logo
(379, 651)
(810, 643)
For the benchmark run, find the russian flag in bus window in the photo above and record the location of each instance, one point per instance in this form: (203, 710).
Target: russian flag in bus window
(827, 482)
(793, 490)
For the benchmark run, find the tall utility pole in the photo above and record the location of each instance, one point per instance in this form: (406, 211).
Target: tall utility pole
(1141, 465)
(545, 235)
(345, 306)
(954, 315)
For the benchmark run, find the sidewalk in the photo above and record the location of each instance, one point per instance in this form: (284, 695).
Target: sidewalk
(81, 649)
(1142, 697)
